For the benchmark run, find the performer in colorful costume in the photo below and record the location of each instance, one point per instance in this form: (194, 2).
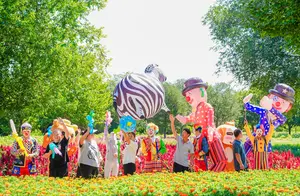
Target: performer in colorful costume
(280, 100)
(260, 143)
(227, 138)
(152, 149)
(201, 150)
(203, 115)
(25, 149)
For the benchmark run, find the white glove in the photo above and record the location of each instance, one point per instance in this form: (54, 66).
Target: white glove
(266, 103)
(248, 98)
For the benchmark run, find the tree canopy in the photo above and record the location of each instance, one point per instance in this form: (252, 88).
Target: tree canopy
(52, 62)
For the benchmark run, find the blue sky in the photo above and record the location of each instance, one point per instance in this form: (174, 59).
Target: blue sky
(166, 32)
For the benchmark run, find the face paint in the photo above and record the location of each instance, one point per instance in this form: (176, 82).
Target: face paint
(202, 92)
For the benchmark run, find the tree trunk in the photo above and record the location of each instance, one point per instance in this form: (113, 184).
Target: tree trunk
(290, 128)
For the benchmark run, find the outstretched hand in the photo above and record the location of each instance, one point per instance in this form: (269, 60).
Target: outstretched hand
(171, 117)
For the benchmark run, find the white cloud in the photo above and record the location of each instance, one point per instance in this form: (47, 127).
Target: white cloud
(166, 32)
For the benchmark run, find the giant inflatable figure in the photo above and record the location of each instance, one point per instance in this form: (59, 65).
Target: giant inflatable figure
(227, 139)
(203, 115)
(279, 100)
(141, 95)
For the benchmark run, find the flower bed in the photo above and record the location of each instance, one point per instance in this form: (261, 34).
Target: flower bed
(277, 160)
(274, 182)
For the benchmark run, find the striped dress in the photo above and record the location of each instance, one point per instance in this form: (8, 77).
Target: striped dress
(260, 147)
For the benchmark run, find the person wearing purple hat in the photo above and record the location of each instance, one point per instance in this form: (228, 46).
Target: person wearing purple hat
(279, 100)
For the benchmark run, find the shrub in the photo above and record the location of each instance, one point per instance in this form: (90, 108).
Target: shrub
(296, 135)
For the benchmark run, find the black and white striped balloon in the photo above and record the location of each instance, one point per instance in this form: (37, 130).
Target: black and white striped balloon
(141, 95)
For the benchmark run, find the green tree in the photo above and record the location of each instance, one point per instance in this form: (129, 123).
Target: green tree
(52, 62)
(226, 106)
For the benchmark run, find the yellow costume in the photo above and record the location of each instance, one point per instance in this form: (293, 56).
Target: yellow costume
(260, 147)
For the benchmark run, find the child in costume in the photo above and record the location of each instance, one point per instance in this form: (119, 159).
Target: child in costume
(25, 149)
(201, 150)
(260, 143)
(57, 151)
(152, 149)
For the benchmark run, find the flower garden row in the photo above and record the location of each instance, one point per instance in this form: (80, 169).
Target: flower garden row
(276, 160)
(254, 182)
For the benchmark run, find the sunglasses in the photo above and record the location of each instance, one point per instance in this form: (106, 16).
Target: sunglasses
(26, 128)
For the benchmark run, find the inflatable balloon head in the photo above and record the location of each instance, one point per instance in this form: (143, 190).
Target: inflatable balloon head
(226, 132)
(152, 129)
(283, 97)
(141, 96)
(259, 130)
(127, 124)
(156, 72)
(195, 91)
(26, 129)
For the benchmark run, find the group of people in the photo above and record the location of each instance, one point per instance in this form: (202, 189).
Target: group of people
(188, 155)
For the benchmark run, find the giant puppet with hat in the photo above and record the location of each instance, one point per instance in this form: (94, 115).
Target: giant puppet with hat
(279, 100)
(203, 116)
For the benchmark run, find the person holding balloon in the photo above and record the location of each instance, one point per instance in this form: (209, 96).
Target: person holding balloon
(128, 126)
(58, 150)
(25, 149)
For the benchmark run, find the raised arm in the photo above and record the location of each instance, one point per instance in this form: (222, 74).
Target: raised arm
(281, 119)
(67, 134)
(126, 137)
(81, 141)
(255, 109)
(248, 131)
(172, 120)
(270, 133)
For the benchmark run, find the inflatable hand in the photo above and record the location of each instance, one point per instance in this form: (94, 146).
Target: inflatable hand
(248, 98)
(127, 124)
(266, 103)
(181, 119)
(54, 150)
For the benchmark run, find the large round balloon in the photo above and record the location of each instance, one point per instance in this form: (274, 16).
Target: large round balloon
(141, 95)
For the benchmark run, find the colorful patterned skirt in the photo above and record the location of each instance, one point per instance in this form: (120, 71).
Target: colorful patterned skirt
(28, 169)
(261, 160)
(152, 166)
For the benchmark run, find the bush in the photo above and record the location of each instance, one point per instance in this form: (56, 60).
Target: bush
(296, 135)
(281, 135)
(294, 148)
